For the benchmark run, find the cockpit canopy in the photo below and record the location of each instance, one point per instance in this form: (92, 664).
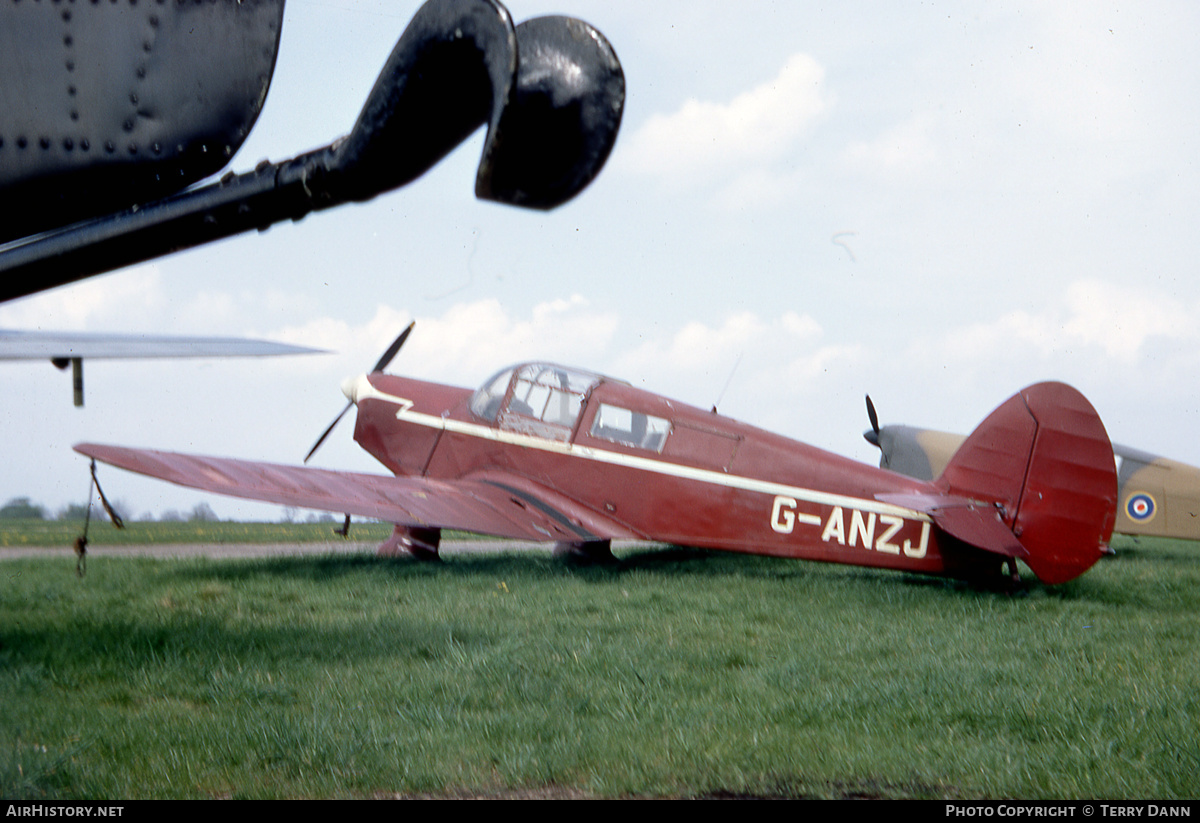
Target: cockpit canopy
(544, 391)
(541, 399)
(546, 400)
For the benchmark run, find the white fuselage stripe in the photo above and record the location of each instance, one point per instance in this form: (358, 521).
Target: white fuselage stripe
(405, 413)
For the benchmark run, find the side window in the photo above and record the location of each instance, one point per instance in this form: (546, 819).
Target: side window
(549, 404)
(630, 428)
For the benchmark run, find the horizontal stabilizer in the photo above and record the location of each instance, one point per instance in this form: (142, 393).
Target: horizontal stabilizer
(977, 524)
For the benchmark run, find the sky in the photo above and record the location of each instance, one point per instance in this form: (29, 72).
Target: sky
(933, 203)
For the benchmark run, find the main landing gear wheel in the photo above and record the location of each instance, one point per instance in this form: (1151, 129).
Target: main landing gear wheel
(412, 540)
(590, 551)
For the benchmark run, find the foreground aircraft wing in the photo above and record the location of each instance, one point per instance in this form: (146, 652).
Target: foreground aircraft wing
(489, 503)
(29, 345)
(71, 348)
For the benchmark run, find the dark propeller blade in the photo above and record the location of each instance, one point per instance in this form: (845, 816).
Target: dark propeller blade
(325, 433)
(393, 349)
(380, 365)
(872, 436)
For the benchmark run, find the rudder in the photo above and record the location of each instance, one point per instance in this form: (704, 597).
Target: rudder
(1044, 456)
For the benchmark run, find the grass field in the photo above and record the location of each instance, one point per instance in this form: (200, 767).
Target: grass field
(674, 673)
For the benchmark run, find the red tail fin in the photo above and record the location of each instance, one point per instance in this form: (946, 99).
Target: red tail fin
(1046, 458)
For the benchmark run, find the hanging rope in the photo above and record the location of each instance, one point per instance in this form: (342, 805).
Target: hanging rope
(81, 542)
(81, 554)
(112, 513)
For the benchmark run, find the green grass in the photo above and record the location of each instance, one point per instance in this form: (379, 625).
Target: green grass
(58, 533)
(674, 673)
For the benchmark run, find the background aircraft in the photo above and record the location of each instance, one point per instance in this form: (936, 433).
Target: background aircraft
(1157, 497)
(71, 349)
(546, 452)
(109, 112)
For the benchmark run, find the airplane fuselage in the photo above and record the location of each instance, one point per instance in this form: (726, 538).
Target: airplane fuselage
(548, 453)
(662, 470)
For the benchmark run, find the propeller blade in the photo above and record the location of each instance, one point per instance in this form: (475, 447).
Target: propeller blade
(380, 365)
(872, 436)
(393, 349)
(325, 434)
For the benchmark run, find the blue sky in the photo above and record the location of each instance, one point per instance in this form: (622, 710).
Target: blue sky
(935, 203)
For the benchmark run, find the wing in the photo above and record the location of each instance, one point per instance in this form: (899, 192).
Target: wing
(28, 345)
(63, 349)
(489, 503)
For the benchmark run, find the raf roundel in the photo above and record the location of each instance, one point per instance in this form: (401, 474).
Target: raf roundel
(1140, 507)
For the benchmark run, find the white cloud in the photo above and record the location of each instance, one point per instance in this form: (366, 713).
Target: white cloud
(760, 188)
(903, 150)
(1092, 319)
(758, 369)
(468, 340)
(476, 338)
(1121, 320)
(1129, 349)
(767, 361)
(130, 300)
(140, 299)
(696, 346)
(705, 141)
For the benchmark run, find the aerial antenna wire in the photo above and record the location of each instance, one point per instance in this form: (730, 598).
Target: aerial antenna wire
(732, 372)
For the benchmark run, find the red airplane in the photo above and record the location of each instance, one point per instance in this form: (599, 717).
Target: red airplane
(549, 453)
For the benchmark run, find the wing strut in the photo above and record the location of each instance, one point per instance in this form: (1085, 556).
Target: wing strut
(77, 380)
